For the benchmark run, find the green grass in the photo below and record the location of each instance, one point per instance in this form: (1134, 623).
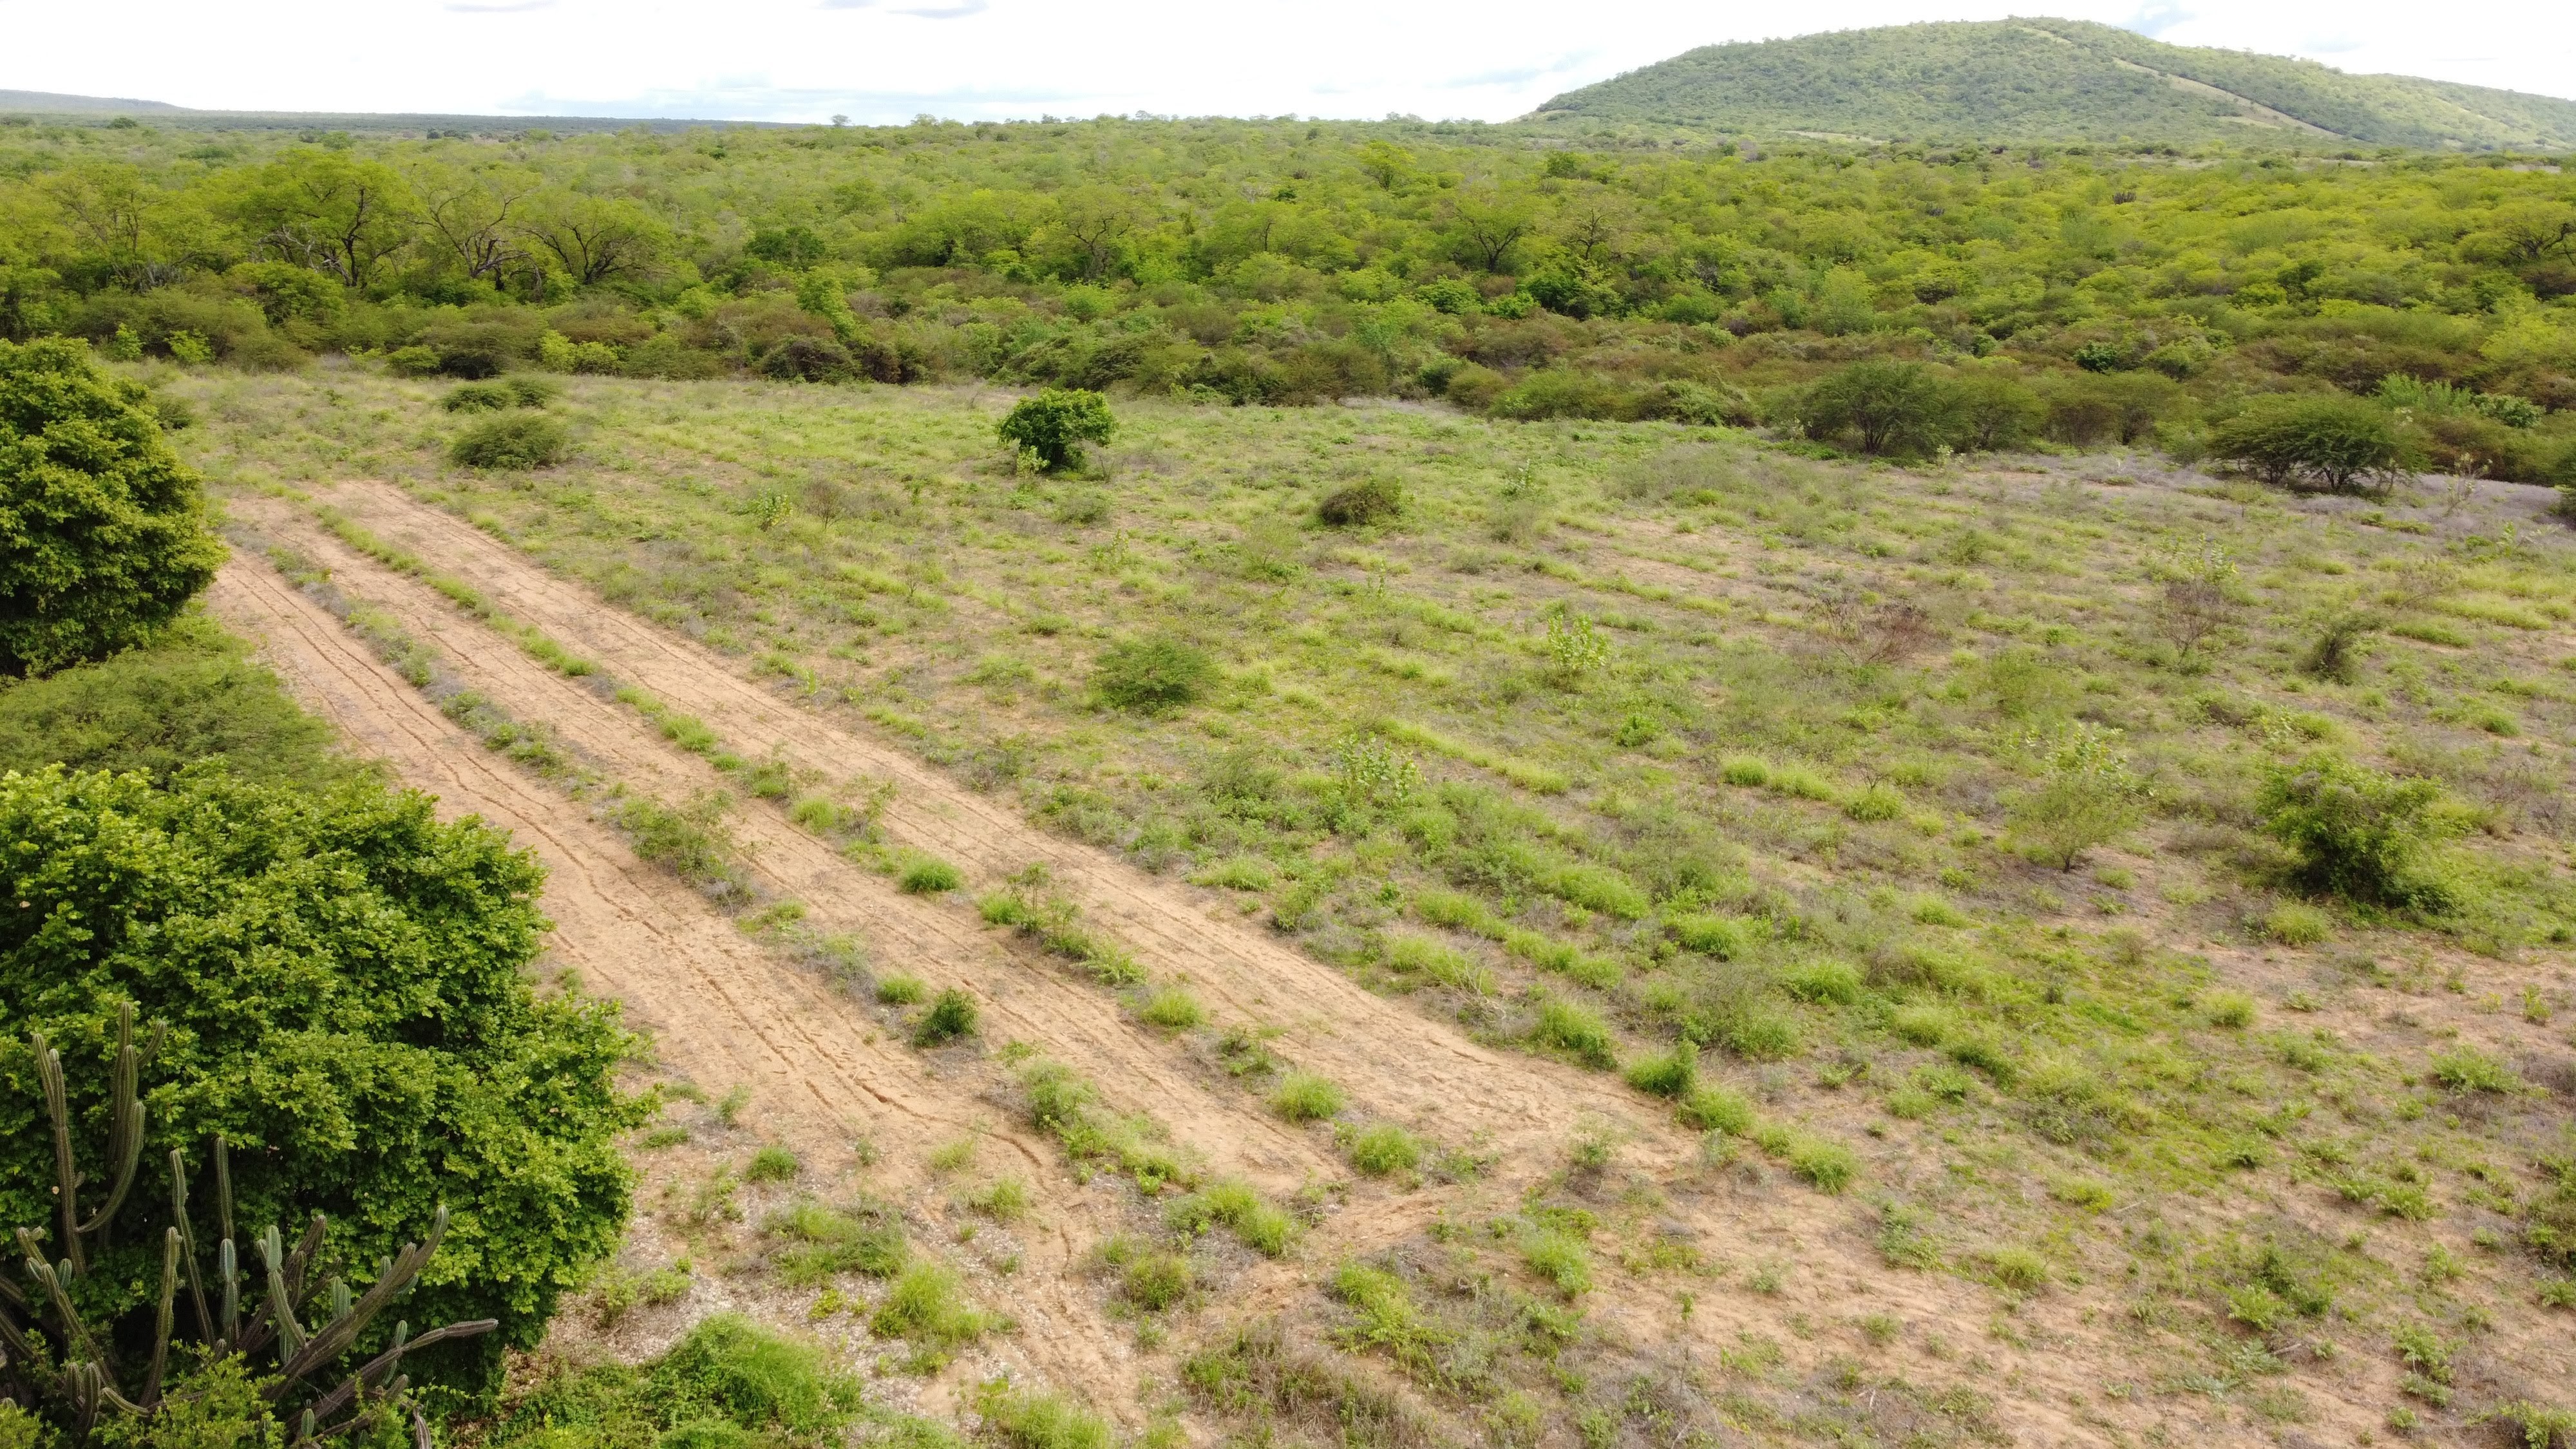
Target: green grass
(927, 1308)
(818, 1242)
(1305, 1097)
(923, 876)
(772, 1163)
(1382, 1149)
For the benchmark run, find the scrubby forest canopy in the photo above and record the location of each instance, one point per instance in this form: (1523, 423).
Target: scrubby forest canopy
(2095, 293)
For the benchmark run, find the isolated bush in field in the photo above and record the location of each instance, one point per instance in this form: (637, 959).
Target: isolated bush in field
(2088, 795)
(1027, 1418)
(1173, 1008)
(927, 1308)
(772, 1163)
(1372, 500)
(952, 1015)
(478, 397)
(1306, 1097)
(1717, 1109)
(2337, 650)
(1054, 425)
(1993, 413)
(924, 876)
(106, 531)
(2325, 442)
(1154, 675)
(901, 990)
(1888, 407)
(1384, 1148)
(1576, 1030)
(2356, 833)
(732, 1382)
(2293, 924)
(1674, 1074)
(511, 441)
(276, 928)
(820, 1243)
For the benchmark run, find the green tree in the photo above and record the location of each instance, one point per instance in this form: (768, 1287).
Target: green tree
(341, 983)
(595, 238)
(2327, 442)
(2088, 796)
(1056, 423)
(102, 531)
(329, 211)
(1891, 407)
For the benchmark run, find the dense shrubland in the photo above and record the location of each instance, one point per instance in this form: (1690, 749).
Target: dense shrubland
(2077, 296)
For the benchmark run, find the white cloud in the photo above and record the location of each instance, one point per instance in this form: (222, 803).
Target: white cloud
(885, 60)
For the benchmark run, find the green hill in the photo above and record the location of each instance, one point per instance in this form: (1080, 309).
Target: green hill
(2055, 80)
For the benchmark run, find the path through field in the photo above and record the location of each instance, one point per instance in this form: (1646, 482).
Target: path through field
(729, 1009)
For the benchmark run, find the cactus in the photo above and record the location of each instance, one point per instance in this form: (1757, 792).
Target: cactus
(305, 1319)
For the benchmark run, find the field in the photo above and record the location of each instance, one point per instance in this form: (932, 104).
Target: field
(1639, 935)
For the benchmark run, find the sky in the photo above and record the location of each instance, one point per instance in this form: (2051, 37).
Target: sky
(878, 61)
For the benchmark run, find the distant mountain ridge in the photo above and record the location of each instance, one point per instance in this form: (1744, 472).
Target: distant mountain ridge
(162, 113)
(2046, 79)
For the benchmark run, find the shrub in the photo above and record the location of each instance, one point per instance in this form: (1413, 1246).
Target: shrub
(192, 697)
(511, 441)
(1035, 1419)
(478, 397)
(106, 530)
(1674, 1074)
(2019, 1269)
(2088, 797)
(2357, 833)
(1263, 1227)
(2328, 442)
(1004, 1201)
(730, 1372)
(924, 876)
(1576, 1030)
(900, 990)
(951, 1015)
(1306, 1097)
(1372, 500)
(927, 1308)
(2466, 1069)
(803, 359)
(2293, 924)
(1717, 1109)
(315, 933)
(1384, 1148)
(1559, 1258)
(1888, 407)
(823, 1243)
(772, 1163)
(1055, 424)
(1173, 1009)
(1153, 676)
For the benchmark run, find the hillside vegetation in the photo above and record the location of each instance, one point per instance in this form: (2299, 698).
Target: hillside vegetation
(2064, 80)
(2085, 294)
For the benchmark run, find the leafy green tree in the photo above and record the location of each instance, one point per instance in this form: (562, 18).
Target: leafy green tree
(1056, 423)
(595, 238)
(2327, 442)
(1891, 407)
(329, 211)
(2088, 796)
(337, 982)
(102, 531)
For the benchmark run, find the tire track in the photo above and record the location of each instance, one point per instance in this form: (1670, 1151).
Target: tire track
(722, 1009)
(1384, 1054)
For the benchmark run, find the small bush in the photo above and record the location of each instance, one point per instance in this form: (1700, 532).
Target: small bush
(2466, 1069)
(1155, 1281)
(1559, 1258)
(823, 1242)
(1724, 937)
(2293, 924)
(1153, 676)
(1880, 801)
(513, 441)
(1306, 1097)
(1826, 980)
(772, 1163)
(1173, 1008)
(1055, 424)
(1373, 500)
(2233, 1010)
(2327, 442)
(1035, 1419)
(1384, 1148)
(1262, 1227)
(1886, 407)
(1675, 1074)
(2019, 1269)
(1717, 1109)
(2357, 833)
(927, 1308)
(951, 1016)
(729, 1380)
(1004, 1201)
(479, 397)
(924, 876)
(901, 990)
(1576, 1030)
